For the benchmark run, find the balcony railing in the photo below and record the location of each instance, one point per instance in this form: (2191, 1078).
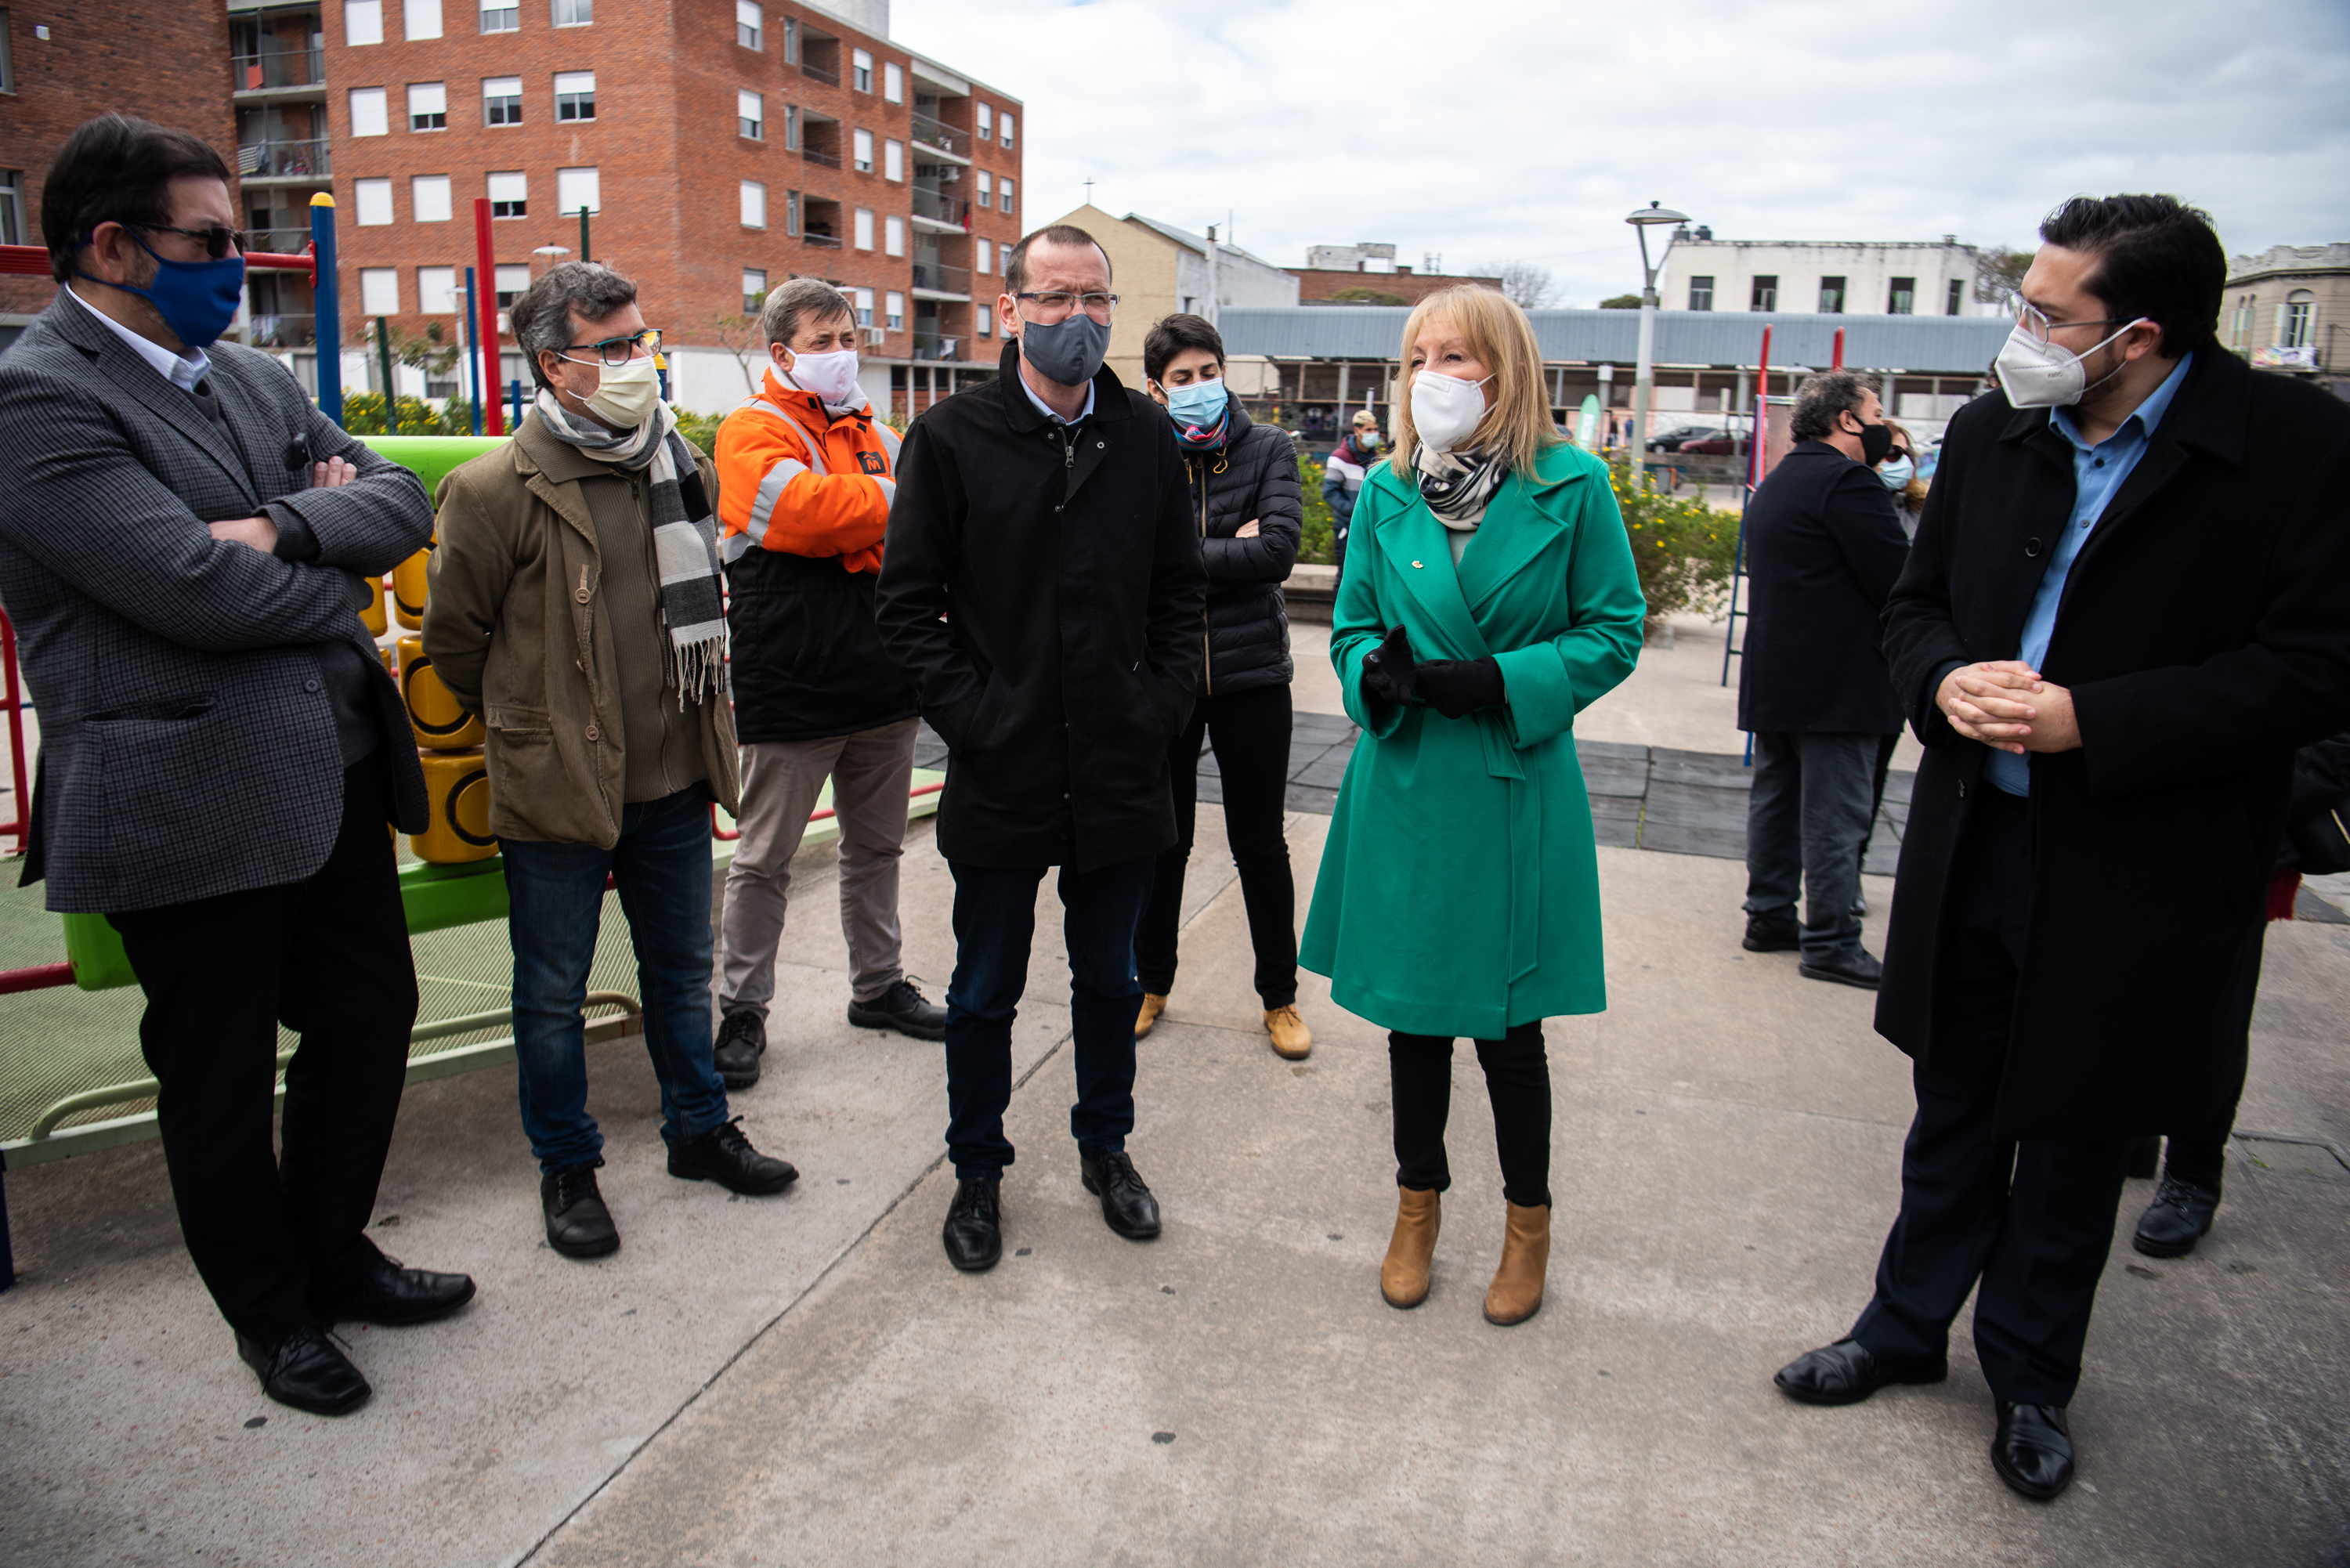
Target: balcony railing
(822, 241)
(282, 331)
(929, 133)
(941, 209)
(829, 159)
(284, 68)
(285, 159)
(929, 347)
(817, 73)
(277, 241)
(942, 279)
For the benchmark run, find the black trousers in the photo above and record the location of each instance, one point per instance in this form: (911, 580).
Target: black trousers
(1517, 1081)
(329, 959)
(2031, 1221)
(1250, 731)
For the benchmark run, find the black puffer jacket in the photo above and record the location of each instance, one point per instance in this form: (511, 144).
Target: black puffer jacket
(1252, 474)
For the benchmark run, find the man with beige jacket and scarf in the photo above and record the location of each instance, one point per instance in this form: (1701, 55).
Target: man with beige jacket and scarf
(575, 604)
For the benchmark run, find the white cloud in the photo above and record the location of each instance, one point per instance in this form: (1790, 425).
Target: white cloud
(1492, 128)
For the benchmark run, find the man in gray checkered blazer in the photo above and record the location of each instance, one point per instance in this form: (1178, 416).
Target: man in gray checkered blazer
(183, 543)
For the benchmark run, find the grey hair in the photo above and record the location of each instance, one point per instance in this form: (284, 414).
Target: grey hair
(797, 300)
(1823, 397)
(541, 317)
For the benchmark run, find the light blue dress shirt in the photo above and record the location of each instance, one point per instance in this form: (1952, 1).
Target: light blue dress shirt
(1083, 414)
(2097, 474)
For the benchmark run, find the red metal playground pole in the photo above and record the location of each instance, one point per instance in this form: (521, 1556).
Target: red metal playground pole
(1836, 363)
(494, 413)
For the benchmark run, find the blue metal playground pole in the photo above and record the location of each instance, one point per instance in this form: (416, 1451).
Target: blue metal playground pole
(328, 308)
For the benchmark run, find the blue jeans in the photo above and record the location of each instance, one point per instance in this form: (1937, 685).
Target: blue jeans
(994, 920)
(556, 891)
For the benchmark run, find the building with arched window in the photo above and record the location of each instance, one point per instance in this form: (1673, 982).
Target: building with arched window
(2289, 310)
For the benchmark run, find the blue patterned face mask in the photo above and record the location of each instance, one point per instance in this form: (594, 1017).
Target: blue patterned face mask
(1198, 411)
(197, 300)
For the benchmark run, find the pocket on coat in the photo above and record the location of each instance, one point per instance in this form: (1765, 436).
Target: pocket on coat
(153, 763)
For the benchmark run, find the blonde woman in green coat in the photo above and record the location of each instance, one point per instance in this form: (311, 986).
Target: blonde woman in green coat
(1489, 597)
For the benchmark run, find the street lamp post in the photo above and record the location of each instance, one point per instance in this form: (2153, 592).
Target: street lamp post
(1644, 377)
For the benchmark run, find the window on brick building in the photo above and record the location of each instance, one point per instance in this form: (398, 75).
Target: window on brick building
(864, 152)
(500, 16)
(986, 121)
(750, 116)
(370, 203)
(429, 198)
(792, 127)
(864, 306)
(985, 319)
(509, 194)
(893, 84)
(575, 95)
(893, 160)
(379, 290)
(2297, 320)
(1956, 304)
(861, 65)
(436, 290)
(1901, 298)
(428, 106)
(864, 229)
(12, 207)
(421, 19)
(893, 235)
(755, 290)
(979, 256)
(986, 193)
(370, 113)
(511, 282)
(362, 22)
(1007, 192)
(7, 65)
(1003, 259)
(1765, 294)
(574, 13)
(1702, 291)
(750, 23)
(792, 213)
(1832, 297)
(1006, 137)
(791, 42)
(502, 100)
(754, 205)
(577, 188)
(896, 303)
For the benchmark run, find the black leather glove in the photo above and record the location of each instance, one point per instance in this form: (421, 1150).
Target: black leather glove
(1388, 669)
(1458, 687)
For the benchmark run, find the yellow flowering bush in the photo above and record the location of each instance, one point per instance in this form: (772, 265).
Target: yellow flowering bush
(1683, 547)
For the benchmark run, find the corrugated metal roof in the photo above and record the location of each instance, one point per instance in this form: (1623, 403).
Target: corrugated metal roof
(1918, 345)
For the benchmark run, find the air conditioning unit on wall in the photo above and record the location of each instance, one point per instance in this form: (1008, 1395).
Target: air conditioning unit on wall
(874, 335)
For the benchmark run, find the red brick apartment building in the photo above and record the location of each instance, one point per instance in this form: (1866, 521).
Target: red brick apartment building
(720, 146)
(63, 62)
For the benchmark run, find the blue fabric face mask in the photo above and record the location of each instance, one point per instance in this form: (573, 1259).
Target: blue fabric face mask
(1198, 411)
(197, 300)
(1897, 474)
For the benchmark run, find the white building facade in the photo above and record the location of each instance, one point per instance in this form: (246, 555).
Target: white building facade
(1833, 277)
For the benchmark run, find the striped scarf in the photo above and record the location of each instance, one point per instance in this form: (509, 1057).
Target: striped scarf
(685, 539)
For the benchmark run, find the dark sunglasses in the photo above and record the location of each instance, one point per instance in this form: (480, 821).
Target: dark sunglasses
(219, 238)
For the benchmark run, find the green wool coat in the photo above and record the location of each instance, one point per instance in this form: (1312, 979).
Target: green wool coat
(1459, 893)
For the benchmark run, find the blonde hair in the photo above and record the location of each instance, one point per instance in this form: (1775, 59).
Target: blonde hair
(1499, 334)
(1914, 493)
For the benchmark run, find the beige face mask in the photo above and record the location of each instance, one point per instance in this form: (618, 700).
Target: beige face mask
(626, 395)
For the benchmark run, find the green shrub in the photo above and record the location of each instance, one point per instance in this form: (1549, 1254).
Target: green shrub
(363, 415)
(1683, 548)
(1318, 543)
(701, 429)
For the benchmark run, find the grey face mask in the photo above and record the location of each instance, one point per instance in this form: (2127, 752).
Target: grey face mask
(1070, 351)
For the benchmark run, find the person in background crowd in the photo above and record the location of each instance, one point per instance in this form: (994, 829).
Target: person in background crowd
(1903, 478)
(588, 539)
(2128, 745)
(1342, 478)
(1823, 552)
(2194, 1164)
(183, 543)
(1242, 493)
(1043, 589)
(1494, 597)
(804, 483)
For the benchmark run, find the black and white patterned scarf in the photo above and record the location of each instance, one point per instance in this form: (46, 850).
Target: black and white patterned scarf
(685, 539)
(1457, 485)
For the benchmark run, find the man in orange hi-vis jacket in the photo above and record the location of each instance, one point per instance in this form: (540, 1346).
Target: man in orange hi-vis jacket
(807, 474)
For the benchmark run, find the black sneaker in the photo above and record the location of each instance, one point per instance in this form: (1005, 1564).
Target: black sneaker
(577, 1223)
(1771, 934)
(724, 1155)
(742, 1041)
(903, 1008)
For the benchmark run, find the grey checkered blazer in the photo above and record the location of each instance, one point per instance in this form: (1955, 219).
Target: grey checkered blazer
(188, 746)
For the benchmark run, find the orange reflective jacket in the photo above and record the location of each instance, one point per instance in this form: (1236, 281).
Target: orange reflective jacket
(793, 480)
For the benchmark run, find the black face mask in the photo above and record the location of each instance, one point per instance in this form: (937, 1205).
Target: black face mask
(1875, 441)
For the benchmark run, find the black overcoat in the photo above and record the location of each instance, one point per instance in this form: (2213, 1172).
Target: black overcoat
(1822, 548)
(1042, 587)
(2204, 634)
(1253, 475)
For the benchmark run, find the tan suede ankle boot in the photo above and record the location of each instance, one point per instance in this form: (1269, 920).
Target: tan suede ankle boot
(1516, 1292)
(1403, 1278)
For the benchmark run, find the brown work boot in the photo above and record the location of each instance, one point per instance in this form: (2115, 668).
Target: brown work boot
(1403, 1278)
(1291, 1040)
(1516, 1292)
(1152, 1006)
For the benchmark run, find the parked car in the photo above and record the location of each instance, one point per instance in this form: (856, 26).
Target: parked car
(1670, 441)
(1715, 444)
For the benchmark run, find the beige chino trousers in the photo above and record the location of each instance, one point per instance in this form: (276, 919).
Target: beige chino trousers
(870, 771)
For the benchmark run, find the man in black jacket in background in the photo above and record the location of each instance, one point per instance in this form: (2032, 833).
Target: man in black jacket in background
(1824, 548)
(1042, 585)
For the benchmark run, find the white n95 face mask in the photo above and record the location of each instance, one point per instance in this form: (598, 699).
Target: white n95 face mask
(2037, 375)
(626, 395)
(831, 377)
(1445, 408)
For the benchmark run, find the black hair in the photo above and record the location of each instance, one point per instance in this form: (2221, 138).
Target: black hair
(541, 317)
(116, 170)
(1172, 335)
(2157, 257)
(1015, 268)
(1821, 398)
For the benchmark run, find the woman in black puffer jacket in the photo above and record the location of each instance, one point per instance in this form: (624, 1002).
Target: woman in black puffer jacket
(1245, 498)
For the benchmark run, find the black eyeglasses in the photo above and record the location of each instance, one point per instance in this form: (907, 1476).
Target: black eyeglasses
(617, 351)
(219, 238)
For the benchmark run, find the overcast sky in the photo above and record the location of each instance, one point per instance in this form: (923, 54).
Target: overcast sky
(1489, 130)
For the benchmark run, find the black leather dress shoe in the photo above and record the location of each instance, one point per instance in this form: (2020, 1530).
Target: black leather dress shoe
(1769, 934)
(305, 1370)
(1861, 969)
(974, 1228)
(577, 1223)
(2179, 1216)
(724, 1155)
(742, 1041)
(2032, 1449)
(394, 1297)
(1125, 1202)
(903, 1008)
(1846, 1373)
